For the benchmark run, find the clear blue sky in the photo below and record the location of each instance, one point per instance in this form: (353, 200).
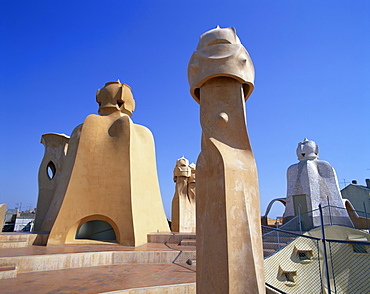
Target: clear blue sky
(312, 62)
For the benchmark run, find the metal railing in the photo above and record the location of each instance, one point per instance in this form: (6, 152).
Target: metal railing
(296, 263)
(304, 222)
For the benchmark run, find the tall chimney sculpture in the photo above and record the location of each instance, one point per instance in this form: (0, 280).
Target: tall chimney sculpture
(229, 241)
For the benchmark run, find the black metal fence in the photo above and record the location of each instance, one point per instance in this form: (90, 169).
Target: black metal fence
(316, 262)
(349, 266)
(332, 215)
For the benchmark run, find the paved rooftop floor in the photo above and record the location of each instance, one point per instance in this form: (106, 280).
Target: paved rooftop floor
(99, 279)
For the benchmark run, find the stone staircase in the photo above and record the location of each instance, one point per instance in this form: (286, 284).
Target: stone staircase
(13, 240)
(18, 240)
(188, 242)
(183, 239)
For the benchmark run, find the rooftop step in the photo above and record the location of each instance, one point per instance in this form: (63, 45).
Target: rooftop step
(169, 238)
(33, 238)
(8, 272)
(14, 237)
(188, 242)
(13, 244)
(64, 260)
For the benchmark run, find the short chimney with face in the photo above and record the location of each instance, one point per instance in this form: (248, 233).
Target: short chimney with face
(368, 183)
(354, 182)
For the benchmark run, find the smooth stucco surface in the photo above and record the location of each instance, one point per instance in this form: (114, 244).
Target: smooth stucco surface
(229, 243)
(56, 146)
(2, 214)
(109, 174)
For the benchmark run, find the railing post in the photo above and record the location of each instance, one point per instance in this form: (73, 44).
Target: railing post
(367, 223)
(299, 219)
(277, 234)
(325, 253)
(331, 221)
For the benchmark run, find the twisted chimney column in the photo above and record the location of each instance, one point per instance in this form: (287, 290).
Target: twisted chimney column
(229, 241)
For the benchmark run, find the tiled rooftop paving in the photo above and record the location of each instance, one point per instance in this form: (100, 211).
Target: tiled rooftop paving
(100, 279)
(97, 279)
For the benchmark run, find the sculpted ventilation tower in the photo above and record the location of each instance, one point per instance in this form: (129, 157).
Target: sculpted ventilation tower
(192, 188)
(229, 242)
(183, 202)
(104, 186)
(56, 146)
(312, 182)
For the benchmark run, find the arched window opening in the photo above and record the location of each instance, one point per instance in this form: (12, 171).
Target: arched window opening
(51, 170)
(96, 230)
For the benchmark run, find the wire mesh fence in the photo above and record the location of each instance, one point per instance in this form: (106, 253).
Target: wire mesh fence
(297, 263)
(349, 266)
(275, 239)
(292, 262)
(332, 215)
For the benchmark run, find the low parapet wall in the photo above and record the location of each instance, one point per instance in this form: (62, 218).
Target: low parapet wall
(169, 238)
(36, 263)
(167, 289)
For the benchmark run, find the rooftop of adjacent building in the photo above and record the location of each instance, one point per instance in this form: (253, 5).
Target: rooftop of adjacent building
(355, 183)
